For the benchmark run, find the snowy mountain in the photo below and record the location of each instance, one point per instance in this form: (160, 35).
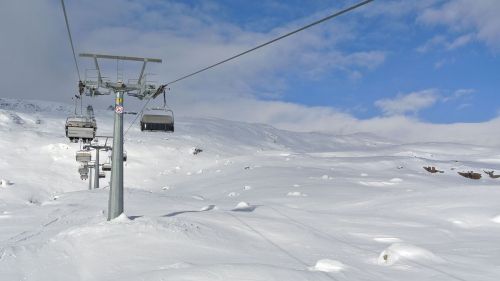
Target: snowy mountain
(257, 203)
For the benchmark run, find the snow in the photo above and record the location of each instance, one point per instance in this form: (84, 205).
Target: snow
(296, 193)
(233, 194)
(120, 219)
(257, 204)
(398, 251)
(327, 265)
(243, 207)
(5, 183)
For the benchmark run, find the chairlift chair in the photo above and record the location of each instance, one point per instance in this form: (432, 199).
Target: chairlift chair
(106, 167)
(83, 170)
(158, 119)
(83, 156)
(80, 127)
(102, 175)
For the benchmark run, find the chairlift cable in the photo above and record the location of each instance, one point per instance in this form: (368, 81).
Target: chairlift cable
(274, 40)
(70, 39)
(135, 119)
(336, 14)
(73, 50)
(257, 47)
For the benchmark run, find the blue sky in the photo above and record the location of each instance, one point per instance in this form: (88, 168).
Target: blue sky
(419, 55)
(407, 67)
(422, 61)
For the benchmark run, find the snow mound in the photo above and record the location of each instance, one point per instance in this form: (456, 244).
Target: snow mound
(387, 239)
(121, 219)
(177, 265)
(296, 194)
(244, 207)
(208, 208)
(198, 197)
(5, 183)
(327, 265)
(396, 180)
(496, 219)
(399, 251)
(376, 183)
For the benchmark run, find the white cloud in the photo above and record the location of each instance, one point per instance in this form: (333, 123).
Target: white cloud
(187, 37)
(34, 61)
(479, 17)
(397, 8)
(414, 102)
(432, 43)
(306, 119)
(459, 94)
(409, 103)
(463, 106)
(460, 41)
(464, 92)
(440, 63)
(440, 41)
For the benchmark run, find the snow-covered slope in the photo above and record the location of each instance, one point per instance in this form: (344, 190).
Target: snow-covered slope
(257, 203)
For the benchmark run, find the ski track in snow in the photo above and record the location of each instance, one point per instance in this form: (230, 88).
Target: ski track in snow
(256, 204)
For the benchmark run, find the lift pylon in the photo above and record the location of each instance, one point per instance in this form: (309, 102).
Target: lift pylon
(141, 90)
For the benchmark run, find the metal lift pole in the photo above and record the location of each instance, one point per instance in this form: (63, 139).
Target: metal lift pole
(90, 177)
(95, 165)
(139, 90)
(96, 169)
(115, 204)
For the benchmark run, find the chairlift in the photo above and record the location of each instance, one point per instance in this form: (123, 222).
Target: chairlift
(80, 128)
(106, 167)
(102, 175)
(158, 119)
(90, 111)
(83, 170)
(83, 156)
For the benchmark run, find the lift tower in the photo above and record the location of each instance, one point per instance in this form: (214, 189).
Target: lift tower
(97, 149)
(141, 90)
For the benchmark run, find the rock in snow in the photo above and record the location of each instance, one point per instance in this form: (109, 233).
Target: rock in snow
(399, 251)
(5, 183)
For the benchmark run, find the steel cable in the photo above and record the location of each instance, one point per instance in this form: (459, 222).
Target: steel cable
(336, 14)
(274, 40)
(70, 39)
